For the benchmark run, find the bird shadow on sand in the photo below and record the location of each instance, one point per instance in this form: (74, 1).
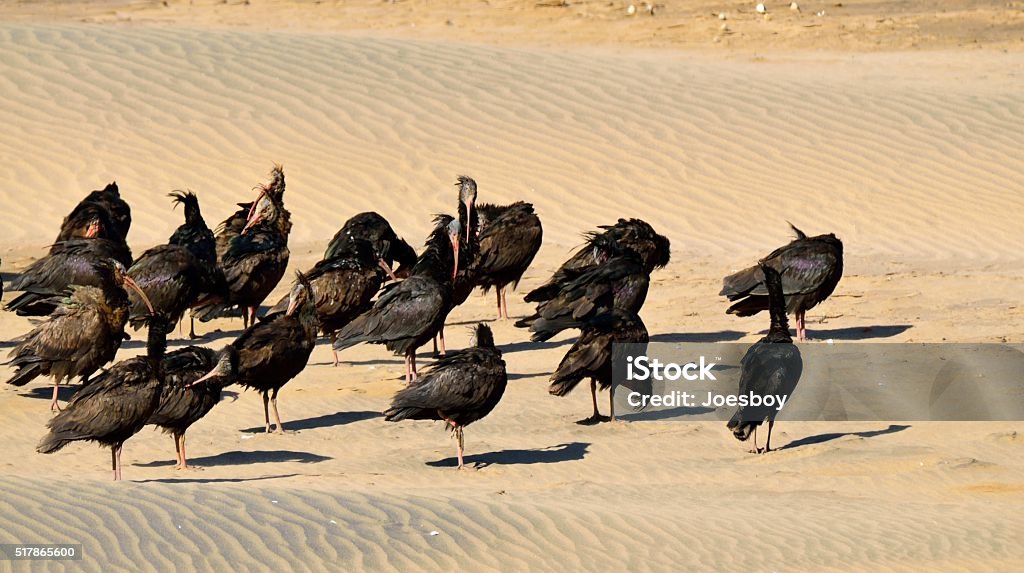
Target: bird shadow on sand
(858, 332)
(237, 458)
(822, 438)
(520, 376)
(64, 393)
(698, 337)
(561, 453)
(212, 480)
(325, 421)
(530, 345)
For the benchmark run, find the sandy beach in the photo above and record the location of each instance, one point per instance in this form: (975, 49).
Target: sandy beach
(895, 126)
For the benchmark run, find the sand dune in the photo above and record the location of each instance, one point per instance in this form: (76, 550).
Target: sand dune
(912, 159)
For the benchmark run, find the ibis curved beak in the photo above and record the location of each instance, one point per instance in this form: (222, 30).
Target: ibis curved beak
(211, 374)
(455, 253)
(135, 286)
(469, 217)
(252, 208)
(387, 268)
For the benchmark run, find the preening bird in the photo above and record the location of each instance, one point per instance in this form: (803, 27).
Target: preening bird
(375, 230)
(772, 366)
(459, 389)
(103, 214)
(594, 354)
(510, 237)
(810, 267)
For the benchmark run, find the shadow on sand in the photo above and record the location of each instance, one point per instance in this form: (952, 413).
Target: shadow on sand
(699, 337)
(857, 332)
(237, 458)
(554, 454)
(325, 421)
(822, 438)
(212, 480)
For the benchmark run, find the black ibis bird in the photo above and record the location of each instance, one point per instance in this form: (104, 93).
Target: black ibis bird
(69, 263)
(114, 406)
(273, 351)
(103, 208)
(510, 237)
(174, 275)
(771, 367)
(619, 282)
(374, 229)
(409, 313)
(459, 389)
(344, 286)
(197, 237)
(83, 334)
(253, 264)
(635, 234)
(810, 267)
(183, 400)
(593, 356)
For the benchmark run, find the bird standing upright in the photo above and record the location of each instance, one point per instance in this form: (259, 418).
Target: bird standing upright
(116, 405)
(459, 389)
(772, 366)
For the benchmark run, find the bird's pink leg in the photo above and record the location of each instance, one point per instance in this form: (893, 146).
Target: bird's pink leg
(54, 406)
(113, 461)
(119, 447)
(412, 361)
(458, 434)
(266, 411)
(277, 417)
(497, 293)
(504, 303)
(440, 335)
(177, 450)
(801, 332)
(768, 444)
(408, 369)
(334, 338)
(756, 450)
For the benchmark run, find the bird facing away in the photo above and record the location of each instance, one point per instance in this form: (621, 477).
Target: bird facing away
(374, 229)
(196, 236)
(409, 313)
(83, 334)
(116, 405)
(632, 234)
(810, 267)
(772, 366)
(274, 351)
(594, 354)
(344, 286)
(510, 237)
(459, 389)
(183, 401)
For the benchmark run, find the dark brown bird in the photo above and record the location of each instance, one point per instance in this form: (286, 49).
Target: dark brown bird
(83, 334)
(252, 251)
(374, 229)
(632, 234)
(772, 366)
(510, 237)
(594, 354)
(102, 214)
(620, 282)
(183, 400)
(459, 389)
(116, 405)
(68, 263)
(411, 312)
(344, 286)
(173, 275)
(253, 264)
(810, 267)
(275, 350)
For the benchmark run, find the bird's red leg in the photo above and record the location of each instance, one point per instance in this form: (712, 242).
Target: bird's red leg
(441, 336)
(504, 303)
(119, 447)
(113, 461)
(277, 417)
(184, 458)
(768, 444)
(54, 406)
(458, 434)
(408, 369)
(266, 411)
(497, 293)
(412, 361)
